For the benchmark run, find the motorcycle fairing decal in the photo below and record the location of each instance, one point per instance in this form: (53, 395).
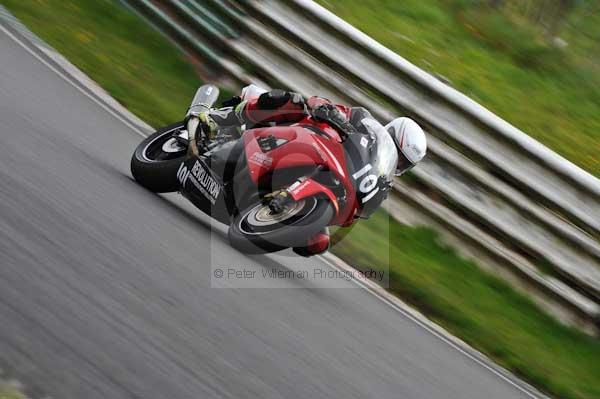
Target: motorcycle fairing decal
(364, 142)
(261, 159)
(201, 177)
(368, 184)
(308, 188)
(269, 143)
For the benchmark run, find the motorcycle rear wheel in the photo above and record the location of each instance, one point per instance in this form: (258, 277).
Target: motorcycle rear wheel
(258, 230)
(155, 162)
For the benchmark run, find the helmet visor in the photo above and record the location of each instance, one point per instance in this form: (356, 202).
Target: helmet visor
(404, 165)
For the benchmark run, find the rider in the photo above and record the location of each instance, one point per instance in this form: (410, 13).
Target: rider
(283, 107)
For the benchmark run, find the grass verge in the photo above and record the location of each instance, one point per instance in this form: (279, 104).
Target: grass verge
(128, 58)
(138, 66)
(502, 61)
(479, 308)
(8, 392)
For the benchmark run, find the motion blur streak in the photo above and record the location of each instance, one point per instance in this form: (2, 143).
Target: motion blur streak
(104, 287)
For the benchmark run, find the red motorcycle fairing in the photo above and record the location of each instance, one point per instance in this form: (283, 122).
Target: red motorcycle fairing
(308, 188)
(307, 143)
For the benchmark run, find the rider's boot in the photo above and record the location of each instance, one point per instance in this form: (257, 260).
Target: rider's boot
(225, 119)
(315, 245)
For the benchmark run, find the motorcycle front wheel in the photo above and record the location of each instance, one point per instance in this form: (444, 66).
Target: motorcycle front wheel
(155, 162)
(258, 230)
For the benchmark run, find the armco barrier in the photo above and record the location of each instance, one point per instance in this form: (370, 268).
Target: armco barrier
(554, 161)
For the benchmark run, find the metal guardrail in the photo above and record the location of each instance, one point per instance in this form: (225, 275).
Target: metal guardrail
(579, 183)
(150, 9)
(463, 103)
(281, 63)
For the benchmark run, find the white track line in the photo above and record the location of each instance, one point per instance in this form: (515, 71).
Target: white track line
(399, 306)
(364, 283)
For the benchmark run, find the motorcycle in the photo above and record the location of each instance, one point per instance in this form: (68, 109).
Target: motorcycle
(329, 178)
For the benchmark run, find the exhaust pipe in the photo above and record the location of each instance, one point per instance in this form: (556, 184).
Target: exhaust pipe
(205, 98)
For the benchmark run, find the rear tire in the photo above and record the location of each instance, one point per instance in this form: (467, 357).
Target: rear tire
(252, 232)
(154, 168)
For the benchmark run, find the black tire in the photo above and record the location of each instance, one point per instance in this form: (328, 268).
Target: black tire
(153, 168)
(311, 217)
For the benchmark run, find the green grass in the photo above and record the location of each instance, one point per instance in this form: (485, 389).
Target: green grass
(7, 392)
(476, 306)
(10, 394)
(120, 51)
(502, 61)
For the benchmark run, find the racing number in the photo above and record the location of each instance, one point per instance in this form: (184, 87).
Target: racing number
(368, 184)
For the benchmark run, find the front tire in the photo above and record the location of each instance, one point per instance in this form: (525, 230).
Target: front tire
(155, 162)
(256, 230)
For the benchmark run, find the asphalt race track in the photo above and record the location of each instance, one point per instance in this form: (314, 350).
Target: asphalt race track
(105, 287)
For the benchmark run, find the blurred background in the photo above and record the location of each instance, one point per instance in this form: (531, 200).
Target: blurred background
(496, 237)
(533, 62)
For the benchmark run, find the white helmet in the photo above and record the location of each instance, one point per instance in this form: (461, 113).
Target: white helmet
(410, 141)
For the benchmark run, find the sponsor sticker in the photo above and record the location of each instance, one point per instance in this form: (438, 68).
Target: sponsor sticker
(364, 141)
(261, 159)
(294, 185)
(297, 187)
(201, 179)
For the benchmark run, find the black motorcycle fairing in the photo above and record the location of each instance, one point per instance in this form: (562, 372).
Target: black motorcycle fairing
(227, 165)
(240, 191)
(203, 187)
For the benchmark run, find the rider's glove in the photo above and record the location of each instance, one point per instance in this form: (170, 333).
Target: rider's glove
(329, 113)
